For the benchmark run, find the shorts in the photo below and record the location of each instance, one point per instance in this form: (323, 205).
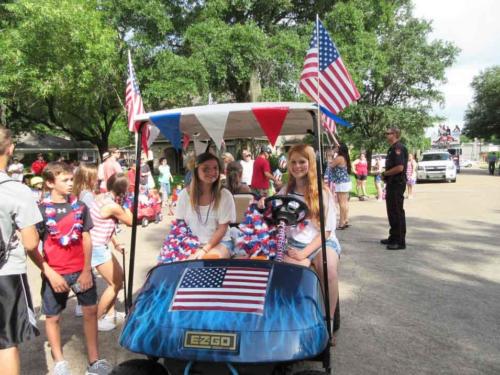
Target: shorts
(53, 303)
(331, 243)
(17, 318)
(361, 177)
(343, 187)
(229, 245)
(378, 178)
(100, 255)
(411, 181)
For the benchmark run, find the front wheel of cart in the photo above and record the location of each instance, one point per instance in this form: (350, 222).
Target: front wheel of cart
(139, 367)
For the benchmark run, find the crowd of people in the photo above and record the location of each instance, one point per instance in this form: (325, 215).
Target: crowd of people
(75, 212)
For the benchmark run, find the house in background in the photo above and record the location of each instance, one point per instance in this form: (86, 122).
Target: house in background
(30, 144)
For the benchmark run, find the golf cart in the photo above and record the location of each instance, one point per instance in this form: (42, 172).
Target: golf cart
(232, 316)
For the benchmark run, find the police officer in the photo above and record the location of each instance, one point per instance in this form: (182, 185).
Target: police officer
(395, 179)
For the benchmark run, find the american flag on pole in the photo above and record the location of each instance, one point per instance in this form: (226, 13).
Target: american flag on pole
(238, 289)
(325, 67)
(328, 124)
(133, 98)
(134, 106)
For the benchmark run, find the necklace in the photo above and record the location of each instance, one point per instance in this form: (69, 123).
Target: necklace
(73, 235)
(198, 213)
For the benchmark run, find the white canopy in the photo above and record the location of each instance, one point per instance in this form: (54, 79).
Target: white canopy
(236, 120)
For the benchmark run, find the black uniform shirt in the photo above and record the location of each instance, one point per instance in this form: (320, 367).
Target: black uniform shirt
(396, 155)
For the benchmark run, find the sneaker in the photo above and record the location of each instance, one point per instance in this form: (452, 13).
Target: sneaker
(105, 325)
(78, 310)
(99, 367)
(61, 368)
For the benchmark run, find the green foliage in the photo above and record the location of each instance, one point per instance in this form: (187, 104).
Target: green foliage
(63, 62)
(482, 118)
(60, 67)
(387, 50)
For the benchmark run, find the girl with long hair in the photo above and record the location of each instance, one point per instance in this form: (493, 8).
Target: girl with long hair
(207, 209)
(234, 173)
(106, 211)
(304, 239)
(85, 183)
(341, 170)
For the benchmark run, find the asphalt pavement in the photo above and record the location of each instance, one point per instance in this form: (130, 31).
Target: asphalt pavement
(433, 308)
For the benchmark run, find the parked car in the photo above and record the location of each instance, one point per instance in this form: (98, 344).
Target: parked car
(436, 165)
(466, 163)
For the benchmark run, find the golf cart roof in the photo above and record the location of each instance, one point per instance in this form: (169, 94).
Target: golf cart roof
(241, 121)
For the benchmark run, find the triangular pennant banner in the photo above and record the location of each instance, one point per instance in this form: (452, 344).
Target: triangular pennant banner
(169, 127)
(185, 141)
(199, 146)
(334, 117)
(271, 121)
(214, 124)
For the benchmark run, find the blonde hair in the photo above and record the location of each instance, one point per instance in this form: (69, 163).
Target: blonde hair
(195, 181)
(85, 178)
(311, 195)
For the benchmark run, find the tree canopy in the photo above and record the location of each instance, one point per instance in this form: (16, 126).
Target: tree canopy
(482, 118)
(64, 66)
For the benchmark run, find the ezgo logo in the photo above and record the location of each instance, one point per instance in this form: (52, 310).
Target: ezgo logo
(211, 340)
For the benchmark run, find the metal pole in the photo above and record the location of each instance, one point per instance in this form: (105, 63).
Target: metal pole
(134, 213)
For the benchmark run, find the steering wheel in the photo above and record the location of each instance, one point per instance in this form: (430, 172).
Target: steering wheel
(285, 208)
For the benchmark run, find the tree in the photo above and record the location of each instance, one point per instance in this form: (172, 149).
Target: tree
(482, 118)
(395, 67)
(61, 69)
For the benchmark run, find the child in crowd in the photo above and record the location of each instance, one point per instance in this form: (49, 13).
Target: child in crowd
(208, 209)
(67, 252)
(304, 240)
(37, 188)
(106, 211)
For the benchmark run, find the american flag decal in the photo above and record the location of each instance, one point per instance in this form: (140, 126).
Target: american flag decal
(237, 289)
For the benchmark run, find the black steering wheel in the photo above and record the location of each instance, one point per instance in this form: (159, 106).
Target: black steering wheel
(285, 208)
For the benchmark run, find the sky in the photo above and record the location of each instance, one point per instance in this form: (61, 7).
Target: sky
(474, 27)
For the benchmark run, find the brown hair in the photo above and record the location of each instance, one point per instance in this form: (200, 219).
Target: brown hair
(5, 139)
(54, 169)
(233, 176)
(195, 182)
(85, 178)
(118, 184)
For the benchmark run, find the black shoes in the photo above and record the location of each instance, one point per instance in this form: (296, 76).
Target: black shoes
(385, 242)
(396, 246)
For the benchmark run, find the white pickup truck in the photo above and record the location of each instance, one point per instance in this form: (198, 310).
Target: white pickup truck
(436, 165)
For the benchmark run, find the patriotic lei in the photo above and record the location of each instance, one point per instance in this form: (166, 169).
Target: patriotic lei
(74, 233)
(179, 244)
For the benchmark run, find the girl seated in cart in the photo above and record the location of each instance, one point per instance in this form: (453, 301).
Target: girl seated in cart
(304, 240)
(207, 209)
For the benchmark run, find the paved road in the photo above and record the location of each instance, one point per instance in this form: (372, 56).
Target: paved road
(431, 309)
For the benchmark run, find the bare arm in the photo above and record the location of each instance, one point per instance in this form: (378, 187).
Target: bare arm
(394, 170)
(124, 215)
(309, 249)
(85, 278)
(337, 161)
(30, 240)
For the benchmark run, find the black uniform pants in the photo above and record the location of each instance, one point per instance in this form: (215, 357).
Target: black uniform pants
(394, 199)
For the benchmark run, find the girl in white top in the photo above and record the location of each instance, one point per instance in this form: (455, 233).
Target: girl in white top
(208, 209)
(304, 240)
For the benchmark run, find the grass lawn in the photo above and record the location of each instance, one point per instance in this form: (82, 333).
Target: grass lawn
(370, 187)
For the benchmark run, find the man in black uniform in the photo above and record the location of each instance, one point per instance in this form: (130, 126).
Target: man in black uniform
(395, 179)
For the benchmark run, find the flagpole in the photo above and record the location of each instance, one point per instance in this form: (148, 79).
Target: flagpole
(134, 216)
(319, 168)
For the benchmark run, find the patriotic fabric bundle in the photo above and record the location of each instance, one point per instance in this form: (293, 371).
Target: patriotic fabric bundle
(179, 244)
(256, 237)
